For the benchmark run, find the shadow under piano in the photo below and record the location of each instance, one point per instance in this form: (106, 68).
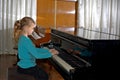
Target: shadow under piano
(84, 59)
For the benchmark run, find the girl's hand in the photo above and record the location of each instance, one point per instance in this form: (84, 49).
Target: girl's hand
(54, 52)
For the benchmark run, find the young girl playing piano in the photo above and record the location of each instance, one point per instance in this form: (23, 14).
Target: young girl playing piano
(27, 52)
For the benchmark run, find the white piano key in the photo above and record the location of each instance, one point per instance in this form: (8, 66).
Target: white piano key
(62, 63)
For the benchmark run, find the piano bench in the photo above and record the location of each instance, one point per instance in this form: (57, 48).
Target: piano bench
(14, 75)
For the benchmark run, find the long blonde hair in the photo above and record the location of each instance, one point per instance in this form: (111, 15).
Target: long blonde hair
(18, 27)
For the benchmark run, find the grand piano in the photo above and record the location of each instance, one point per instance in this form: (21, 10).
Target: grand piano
(83, 59)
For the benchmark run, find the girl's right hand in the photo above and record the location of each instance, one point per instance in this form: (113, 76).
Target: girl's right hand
(54, 52)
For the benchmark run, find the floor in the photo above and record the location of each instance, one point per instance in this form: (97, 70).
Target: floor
(8, 61)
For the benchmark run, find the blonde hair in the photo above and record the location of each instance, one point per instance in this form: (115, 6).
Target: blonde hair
(18, 27)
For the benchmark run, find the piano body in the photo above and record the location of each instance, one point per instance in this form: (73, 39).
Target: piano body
(83, 59)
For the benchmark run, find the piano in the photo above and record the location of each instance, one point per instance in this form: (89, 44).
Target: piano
(83, 59)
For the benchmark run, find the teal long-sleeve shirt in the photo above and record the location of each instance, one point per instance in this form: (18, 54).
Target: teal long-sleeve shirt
(28, 53)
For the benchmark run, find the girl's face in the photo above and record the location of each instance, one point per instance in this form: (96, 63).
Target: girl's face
(30, 28)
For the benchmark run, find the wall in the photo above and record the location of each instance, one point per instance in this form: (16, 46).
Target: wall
(45, 13)
(58, 14)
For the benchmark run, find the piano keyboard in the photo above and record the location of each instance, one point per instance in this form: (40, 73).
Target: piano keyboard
(62, 63)
(67, 61)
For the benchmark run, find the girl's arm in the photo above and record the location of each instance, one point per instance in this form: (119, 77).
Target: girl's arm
(38, 53)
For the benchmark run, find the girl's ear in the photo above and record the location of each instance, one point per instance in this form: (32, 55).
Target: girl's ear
(25, 28)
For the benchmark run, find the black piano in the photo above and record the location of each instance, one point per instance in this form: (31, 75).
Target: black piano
(83, 59)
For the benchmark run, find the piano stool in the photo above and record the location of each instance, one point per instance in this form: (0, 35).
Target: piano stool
(12, 74)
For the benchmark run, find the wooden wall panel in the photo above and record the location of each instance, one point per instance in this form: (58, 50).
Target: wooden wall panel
(65, 14)
(45, 13)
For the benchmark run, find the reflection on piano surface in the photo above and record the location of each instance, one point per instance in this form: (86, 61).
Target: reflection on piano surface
(80, 59)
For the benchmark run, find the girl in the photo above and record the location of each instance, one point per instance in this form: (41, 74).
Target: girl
(27, 52)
